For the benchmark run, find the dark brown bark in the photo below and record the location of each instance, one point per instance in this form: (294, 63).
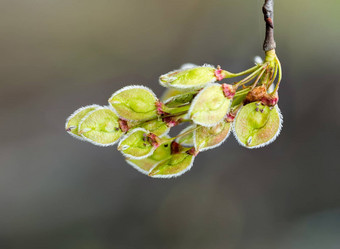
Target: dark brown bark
(268, 12)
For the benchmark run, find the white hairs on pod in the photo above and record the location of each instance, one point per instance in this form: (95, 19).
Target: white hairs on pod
(89, 140)
(173, 175)
(172, 78)
(129, 88)
(185, 130)
(188, 66)
(211, 147)
(137, 168)
(74, 114)
(264, 144)
(127, 135)
(194, 101)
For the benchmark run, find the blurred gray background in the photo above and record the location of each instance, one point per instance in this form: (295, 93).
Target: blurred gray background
(57, 192)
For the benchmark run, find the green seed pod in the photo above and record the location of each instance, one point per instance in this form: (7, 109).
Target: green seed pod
(100, 127)
(136, 144)
(192, 78)
(174, 166)
(181, 99)
(206, 138)
(188, 139)
(145, 165)
(170, 92)
(256, 125)
(155, 126)
(134, 103)
(72, 122)
(210, 106)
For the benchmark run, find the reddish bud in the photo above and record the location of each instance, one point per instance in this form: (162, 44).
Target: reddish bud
(154, 140)
(230, 117)
(192, 152)
(170, 122)
(175, 147)
(270, 100)
(228, 90)
(219, 74)
(123, 125)
(159, 108)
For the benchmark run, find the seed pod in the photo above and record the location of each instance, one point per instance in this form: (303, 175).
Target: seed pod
(192, 78)
(157, 127)
(188, 139)
(136, 144)
(100, 127)
(170, 92)
(206, 138)
(134, 103)
(174, 166)
(145, 165)
(257, 125)
(180, 99)
(210, 106)
(72, 122)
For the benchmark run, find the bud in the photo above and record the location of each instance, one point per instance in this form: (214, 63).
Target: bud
(72, 122)
(134, 103)
(155, 126)
(206, 138)
(257, 125)
(145, 165)
(174, 166)
(256, 94)
(100, 127)
(137, 144)
(192, 78)
(228, 91)
(209, 106)
(188, 139)
(270, 100)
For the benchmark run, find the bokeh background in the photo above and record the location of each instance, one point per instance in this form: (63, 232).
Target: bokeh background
(57, 192)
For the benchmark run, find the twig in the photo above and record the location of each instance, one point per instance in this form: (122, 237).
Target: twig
(268, 13)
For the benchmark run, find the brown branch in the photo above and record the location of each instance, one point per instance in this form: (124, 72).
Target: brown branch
(268, 13)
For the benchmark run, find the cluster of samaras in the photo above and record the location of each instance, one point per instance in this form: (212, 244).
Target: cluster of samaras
(140, 122)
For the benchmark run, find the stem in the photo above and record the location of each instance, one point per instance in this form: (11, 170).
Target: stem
(274, 77)
(251, 76)
(280, 77)
(232, 75)
(268, 13)
(258, 78)
(176, 110)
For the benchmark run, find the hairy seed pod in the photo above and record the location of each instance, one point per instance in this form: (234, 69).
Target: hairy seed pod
(192, 78)
(100, 127)
(155, 126)
(180, 99)
(145, 165)
(174, 166)
(134, 103)
(257, 125)
(136, 144)
(206, 138)
(188, 139)
(210, 106)
(72, 122)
